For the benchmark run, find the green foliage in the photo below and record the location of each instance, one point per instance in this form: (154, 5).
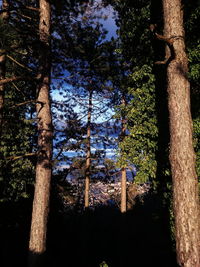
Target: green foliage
(18, 136)
(103, 264)
(192, 17)
(140, 145)
(8, 35)
(196, 126)
(17, 171)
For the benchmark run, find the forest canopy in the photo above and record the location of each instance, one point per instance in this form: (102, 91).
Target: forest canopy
(99, 118)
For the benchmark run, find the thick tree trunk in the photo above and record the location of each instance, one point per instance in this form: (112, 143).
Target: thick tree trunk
(123, 170)
(182, 156)
(4, 17)
(37, 244)
(88, 153)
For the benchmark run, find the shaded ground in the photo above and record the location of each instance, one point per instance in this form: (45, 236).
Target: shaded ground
(138, 238)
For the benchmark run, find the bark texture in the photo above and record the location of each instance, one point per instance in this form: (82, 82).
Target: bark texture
(40, 211)
(182, 156)
(88, 154)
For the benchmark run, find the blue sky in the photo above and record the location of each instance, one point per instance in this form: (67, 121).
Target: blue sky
(109, 23)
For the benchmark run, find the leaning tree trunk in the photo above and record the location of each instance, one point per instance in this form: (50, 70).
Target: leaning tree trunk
(37, 244)
(88, 153)
(182, 156)
(123, 170)
(4, 17)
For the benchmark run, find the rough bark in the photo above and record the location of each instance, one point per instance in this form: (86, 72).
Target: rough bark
(88, 154)
(37, 244)
(182, 156)
(123, 170)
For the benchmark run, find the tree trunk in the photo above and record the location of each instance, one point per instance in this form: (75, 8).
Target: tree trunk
(88, 154)
(37, 244)
(123, 170)
(182, 156)
(4, 17)
(123, 190)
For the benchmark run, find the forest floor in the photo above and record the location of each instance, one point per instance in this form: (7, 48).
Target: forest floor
(138, 238)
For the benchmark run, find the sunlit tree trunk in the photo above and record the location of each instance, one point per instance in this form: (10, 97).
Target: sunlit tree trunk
(123, 190)
(4, 17)
(123, 170)
(37, 244)
(88, 153)
(182, 156)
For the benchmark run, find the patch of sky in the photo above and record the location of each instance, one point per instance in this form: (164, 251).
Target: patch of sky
(107, 18)
(101, 14)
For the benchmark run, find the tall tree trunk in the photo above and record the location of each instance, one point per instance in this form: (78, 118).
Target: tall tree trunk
(4, 17)
(182, 156)
(123, 190)
(88, 153)
(123, 170)
(37, 244)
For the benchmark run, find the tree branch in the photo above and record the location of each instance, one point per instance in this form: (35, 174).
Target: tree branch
(21, 156)
(18, 63)
(168, 40)
(18, 78)
(18, 8)
(18, 89)
(23, 103)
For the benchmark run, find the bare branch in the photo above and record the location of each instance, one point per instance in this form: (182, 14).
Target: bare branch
(22, 156)
(18, 89)
(18, 78)
(23, 103)
(19, 64)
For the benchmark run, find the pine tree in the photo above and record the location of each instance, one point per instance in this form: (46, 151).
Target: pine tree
(88, 152)
(182, 157)
(37, 244)
(123, 169)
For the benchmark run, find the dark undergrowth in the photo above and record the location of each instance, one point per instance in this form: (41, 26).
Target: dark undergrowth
(140, 237)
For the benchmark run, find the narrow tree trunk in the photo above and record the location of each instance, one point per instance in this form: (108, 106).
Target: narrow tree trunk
(37, 244)
(182, 156)
(123, 170)
(4, 17)
(88, 153)
(123, 190)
